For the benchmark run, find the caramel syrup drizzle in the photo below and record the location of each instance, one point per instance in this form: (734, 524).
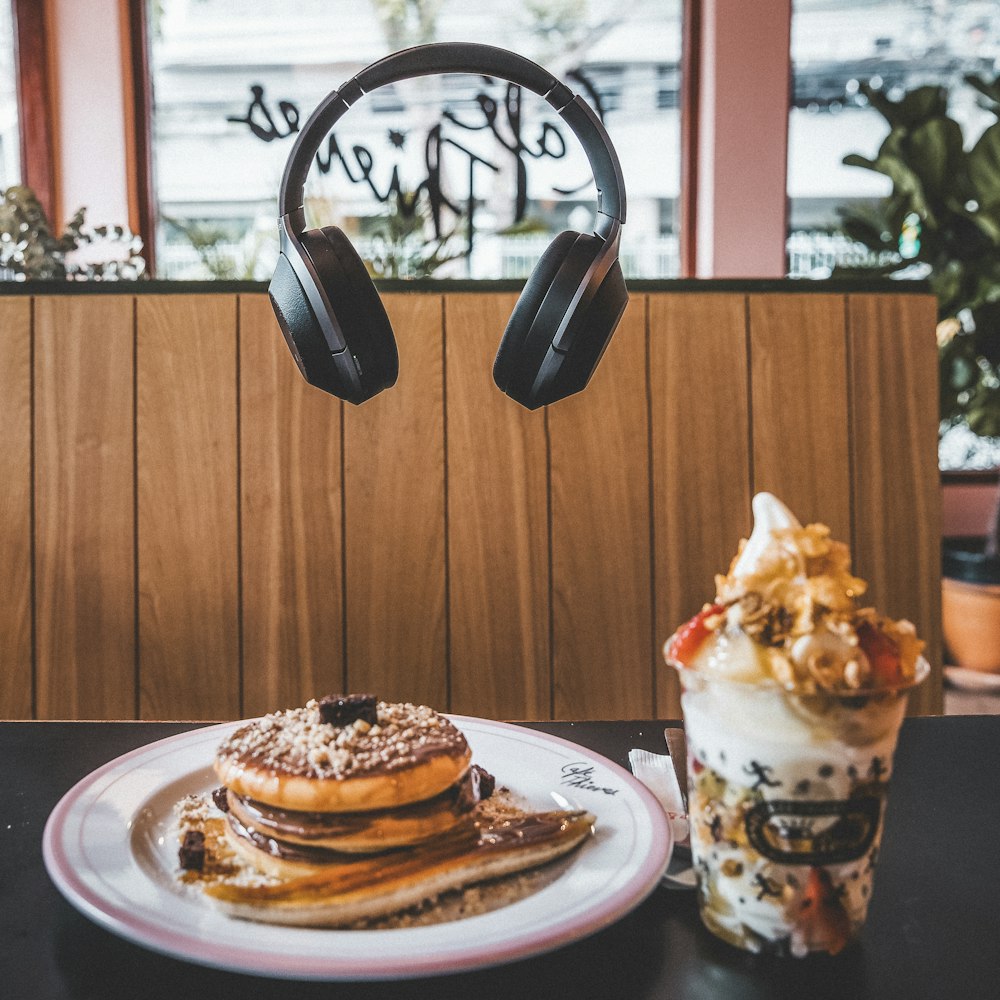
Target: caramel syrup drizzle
(451, 852)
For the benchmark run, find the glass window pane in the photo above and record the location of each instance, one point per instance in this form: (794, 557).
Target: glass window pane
(894, 45)
(233, 79)
(840, 48)
(10, 136)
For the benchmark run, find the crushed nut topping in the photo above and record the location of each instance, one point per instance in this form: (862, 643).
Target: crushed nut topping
(801, 605)
(298, 741)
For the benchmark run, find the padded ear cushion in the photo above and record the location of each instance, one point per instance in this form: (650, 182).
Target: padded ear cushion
(301, 330)
(595, 327)
(530, 301)
(360, 313)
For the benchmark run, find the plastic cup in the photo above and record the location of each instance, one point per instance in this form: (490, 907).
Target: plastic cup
(786, 797)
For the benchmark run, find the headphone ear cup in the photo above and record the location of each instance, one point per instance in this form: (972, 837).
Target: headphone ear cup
(594, 327)
(540, 373)
(302, 332)
(360, 314)
(510, 354)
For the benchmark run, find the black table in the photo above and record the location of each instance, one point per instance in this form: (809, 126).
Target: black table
(932, 930)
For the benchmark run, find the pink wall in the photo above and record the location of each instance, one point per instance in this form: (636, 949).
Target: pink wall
(90, 102)
(743, 138)
(966, 508)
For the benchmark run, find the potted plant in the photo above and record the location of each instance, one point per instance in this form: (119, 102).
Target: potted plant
(31, 251)
(943, 218)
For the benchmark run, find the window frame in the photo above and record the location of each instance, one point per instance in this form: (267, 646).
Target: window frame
(139, 127)
(36, 109)
(142, 187)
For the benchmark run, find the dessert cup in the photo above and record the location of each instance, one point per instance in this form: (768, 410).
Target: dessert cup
(787, 794)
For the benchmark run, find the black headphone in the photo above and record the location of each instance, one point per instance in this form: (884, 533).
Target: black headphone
(331, 315)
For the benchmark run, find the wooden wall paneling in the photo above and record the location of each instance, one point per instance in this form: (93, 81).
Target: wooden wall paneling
(459, 479)
(291, 523)
(395, 519)
(798, 363)
(498, 546)
(16, 681)
(700, 455)
(601, 587)
(84, 507)
(187, 507)
(894, 433)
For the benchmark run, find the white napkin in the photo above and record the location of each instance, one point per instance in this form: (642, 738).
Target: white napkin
(656, 772)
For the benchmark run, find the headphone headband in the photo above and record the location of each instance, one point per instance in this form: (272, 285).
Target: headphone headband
(465, 57)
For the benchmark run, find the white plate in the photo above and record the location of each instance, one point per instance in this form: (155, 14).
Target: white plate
(110, 847)
(972, 680)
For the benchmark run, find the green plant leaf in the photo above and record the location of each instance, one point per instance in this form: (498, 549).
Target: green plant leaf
(947, 282)
(986, 335)
(907, 185)
(984, 166)
(987, 217)
(856, 160)
(989, 90)
(914, 108)
(866, 232)
(933, 151)
(983, 414)
(962, 373)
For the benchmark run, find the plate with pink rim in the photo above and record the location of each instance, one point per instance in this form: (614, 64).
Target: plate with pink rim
(973, 680)
(110, 846)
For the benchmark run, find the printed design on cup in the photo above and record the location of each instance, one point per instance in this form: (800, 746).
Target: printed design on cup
(789, 874)
(814, 833)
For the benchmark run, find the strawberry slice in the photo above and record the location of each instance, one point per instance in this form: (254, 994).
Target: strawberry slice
(883, 655)
(689, 637)
(822, 920)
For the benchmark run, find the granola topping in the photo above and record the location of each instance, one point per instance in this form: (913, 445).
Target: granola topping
(788, 610)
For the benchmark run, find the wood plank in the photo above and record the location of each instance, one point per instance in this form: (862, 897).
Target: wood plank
(897, 500)
(187, 505)
(395, 519)
(701, 457)
(497, 525)
(601, 587)
(798, 359)
(291, 531)
(84, 507)
(15, 509)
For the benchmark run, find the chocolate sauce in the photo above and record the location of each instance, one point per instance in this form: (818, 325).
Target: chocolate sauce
(456, 851)
(499, 837)
(485, 782)
(343, 709)
(286, 850)
(457, 800)
(192, 851)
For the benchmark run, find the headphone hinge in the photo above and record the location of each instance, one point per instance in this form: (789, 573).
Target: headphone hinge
(606, 226)
(559, 95)
(350, 91)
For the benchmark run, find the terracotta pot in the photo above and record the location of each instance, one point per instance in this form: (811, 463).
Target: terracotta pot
(970, 606)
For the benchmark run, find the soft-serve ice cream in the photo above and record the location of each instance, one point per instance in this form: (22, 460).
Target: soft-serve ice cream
(788, 611)
(793, 694)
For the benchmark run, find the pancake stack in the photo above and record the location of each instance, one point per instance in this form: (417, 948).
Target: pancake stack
(345, 774)
(359, 808)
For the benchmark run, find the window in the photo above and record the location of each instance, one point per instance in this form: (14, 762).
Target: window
(893, 45)
(10, 137)
(233, 80)
(840, 47)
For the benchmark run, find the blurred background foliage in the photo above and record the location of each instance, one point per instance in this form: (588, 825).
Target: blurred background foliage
(942, 222)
